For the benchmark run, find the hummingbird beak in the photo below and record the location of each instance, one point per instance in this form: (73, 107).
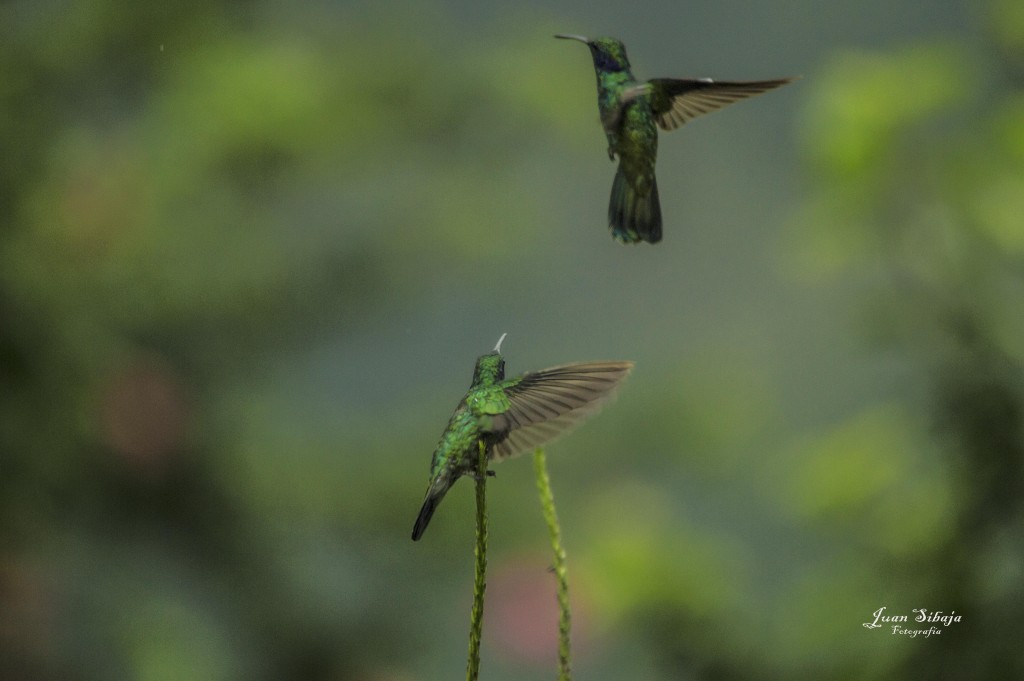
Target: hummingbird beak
(497, 348)
(569, 36)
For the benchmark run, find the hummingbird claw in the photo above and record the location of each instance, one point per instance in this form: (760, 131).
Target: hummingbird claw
(497, 348)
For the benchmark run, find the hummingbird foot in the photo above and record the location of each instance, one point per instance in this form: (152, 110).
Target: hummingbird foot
(476, 476)
(611, 154)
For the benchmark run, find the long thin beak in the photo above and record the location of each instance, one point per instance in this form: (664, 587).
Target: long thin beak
(497, 348)
(569, 36)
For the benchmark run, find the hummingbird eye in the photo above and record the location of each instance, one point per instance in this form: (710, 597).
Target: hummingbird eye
(606, 61)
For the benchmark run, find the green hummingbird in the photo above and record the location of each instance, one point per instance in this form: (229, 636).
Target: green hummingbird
(630, 110)
(513, 416)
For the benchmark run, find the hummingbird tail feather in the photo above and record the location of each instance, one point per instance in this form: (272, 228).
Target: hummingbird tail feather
(426, 512)
(634, 217)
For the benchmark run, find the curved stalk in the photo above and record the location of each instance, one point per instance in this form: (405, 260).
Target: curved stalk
(547, 502)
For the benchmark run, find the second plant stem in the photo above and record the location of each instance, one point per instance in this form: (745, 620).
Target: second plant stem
(547, 502)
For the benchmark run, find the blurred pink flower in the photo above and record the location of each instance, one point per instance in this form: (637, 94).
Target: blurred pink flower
(521, 614)
(144, 412)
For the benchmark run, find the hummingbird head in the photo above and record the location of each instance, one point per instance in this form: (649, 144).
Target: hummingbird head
(609, 54)
(490, 368)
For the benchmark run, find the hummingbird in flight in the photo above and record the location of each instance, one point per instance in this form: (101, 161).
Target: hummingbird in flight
(511, 416)
(631, 113)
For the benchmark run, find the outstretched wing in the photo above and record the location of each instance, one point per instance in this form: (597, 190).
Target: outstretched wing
(676, 101)
(546, 404)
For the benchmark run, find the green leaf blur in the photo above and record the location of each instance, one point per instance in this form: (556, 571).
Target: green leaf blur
(249, 252)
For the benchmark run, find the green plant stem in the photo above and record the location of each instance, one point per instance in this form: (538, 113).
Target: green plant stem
(476, 616)
(547, 502)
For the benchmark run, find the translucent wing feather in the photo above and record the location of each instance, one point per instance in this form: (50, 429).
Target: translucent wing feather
(676, 101)
(546, 404)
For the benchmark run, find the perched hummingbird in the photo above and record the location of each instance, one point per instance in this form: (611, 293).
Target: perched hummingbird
(512, 416)
(630, 109)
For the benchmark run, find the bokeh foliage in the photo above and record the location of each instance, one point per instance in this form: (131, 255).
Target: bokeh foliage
(202, 202)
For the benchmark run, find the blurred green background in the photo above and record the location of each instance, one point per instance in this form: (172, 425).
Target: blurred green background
(250, 251)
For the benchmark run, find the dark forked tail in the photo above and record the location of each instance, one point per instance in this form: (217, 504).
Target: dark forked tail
(426, 512)
(633, 217)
